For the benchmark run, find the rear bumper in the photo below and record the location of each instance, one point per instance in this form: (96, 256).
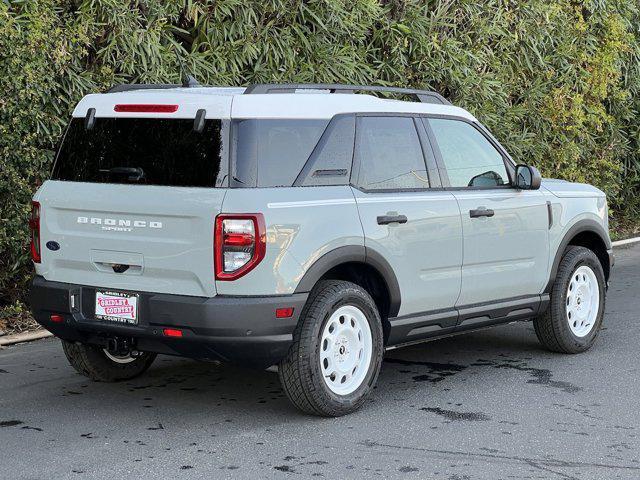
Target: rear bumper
(241, 330)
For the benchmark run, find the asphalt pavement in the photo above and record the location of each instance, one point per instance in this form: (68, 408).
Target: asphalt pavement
(488, 405)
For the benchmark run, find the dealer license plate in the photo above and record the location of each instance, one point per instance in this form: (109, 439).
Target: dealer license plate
(117, 306)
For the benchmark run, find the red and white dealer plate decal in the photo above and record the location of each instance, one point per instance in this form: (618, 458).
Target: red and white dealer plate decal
(117, 307)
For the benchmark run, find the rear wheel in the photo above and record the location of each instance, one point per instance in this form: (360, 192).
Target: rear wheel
(101, 365)
(575, 314)
(337, 349)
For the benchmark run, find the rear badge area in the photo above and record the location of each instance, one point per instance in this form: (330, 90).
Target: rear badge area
(53, 246)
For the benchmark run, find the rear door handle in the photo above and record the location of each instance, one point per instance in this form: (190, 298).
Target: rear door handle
(387, 219)
(481, 212)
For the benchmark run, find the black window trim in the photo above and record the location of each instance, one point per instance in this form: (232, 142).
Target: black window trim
(433, 172)
(355, 168)
(59, 147)
(225, 181)
(233, 182)
(506, 158)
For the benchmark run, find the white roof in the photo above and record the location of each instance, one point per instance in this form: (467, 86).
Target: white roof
(229, 102)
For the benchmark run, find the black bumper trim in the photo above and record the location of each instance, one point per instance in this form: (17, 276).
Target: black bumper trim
(241, 330)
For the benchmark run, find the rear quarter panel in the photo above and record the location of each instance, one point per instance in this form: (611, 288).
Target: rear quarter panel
(303, 223)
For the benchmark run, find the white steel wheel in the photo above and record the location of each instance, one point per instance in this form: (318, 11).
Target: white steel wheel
(583, 301)
(345, 350)
(121, 359)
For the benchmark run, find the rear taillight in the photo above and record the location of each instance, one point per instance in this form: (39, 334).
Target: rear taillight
(240, 244)
(34, 227)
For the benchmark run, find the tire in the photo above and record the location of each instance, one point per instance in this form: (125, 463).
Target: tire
(562, 328)
(92, 361)
(313, 374)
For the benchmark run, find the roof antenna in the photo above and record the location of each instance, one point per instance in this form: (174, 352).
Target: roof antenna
(188, 81)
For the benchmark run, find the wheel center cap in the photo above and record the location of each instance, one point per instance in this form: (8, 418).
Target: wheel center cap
(342, 350)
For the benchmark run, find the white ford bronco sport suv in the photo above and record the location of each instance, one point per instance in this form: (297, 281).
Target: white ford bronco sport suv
(305, 226)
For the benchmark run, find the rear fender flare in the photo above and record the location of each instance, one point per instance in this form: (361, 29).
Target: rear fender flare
(357, 254)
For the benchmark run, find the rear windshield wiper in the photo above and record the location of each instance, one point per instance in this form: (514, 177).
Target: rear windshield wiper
(135, 174)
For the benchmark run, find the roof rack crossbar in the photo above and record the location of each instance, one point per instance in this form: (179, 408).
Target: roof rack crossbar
(424, 96)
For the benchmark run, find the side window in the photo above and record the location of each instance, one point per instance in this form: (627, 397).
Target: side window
(270, 153)
(389, 154)
(330, 162)
(470, 159)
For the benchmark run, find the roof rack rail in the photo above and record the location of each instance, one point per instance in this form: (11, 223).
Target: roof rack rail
(127, 87)
(424, 96)
(189, 82)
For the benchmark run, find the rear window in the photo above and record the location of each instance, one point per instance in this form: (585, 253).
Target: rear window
(271, 153)
(147, 151)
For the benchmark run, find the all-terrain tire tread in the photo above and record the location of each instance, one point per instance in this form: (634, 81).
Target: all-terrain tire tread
(294, 371)
(88, 360)
(547, 326)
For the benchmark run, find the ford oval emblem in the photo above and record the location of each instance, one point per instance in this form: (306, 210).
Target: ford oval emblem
(51, 245)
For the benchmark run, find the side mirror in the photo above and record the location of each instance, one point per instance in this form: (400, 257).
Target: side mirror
(527, 177)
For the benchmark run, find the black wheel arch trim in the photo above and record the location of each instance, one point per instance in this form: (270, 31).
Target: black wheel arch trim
(377, 261)
(585, 225)
(358, 254)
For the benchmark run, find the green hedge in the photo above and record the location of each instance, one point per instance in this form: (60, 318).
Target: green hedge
(556, 81)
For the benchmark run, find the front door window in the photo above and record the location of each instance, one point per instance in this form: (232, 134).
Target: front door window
(470, 159)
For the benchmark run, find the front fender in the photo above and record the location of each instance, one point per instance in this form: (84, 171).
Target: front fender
(579, 226)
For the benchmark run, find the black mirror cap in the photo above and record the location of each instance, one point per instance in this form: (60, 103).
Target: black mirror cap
(527, 177)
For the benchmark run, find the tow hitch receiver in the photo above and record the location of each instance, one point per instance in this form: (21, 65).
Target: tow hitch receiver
(122, 347)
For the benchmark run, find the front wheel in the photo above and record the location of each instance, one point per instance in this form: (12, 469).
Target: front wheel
(100, 365)
(337, 349)
(574, 317)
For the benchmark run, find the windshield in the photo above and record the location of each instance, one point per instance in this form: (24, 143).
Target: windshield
(146, 151)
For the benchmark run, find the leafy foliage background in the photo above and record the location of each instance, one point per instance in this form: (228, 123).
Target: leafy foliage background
(556, 81)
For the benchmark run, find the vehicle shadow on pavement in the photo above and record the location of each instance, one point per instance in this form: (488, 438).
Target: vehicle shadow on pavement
(199, 388)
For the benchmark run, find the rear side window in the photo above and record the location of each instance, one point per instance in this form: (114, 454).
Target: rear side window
(143, 151)
(470, 159)
(271, 153)
(330, 162)
(389, 154)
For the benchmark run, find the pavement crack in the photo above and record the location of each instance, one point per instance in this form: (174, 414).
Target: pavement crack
(546, 462)
(547, 469)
